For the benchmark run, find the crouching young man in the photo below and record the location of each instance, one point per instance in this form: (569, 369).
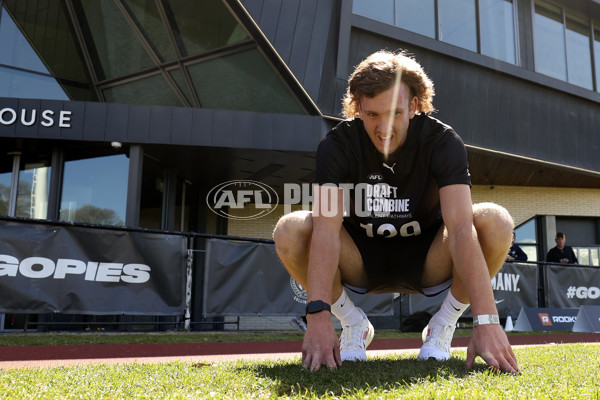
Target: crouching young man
(411, 225)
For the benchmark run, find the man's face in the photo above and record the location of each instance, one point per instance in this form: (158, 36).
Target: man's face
(560, 242)
(388, 127)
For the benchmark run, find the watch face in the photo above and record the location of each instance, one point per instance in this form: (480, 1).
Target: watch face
(314, 306)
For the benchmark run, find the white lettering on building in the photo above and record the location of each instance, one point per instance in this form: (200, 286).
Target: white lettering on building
(47, 118)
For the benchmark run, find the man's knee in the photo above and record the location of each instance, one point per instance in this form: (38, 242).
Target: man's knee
(292, 230)
(492, 214)
(493, 221)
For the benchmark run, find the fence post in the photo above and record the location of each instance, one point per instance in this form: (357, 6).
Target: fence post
(188, 284)
(541, 285)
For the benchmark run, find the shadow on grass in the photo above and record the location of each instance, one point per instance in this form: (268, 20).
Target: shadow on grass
(362, 377)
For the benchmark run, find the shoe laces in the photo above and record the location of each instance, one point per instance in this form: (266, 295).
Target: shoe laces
(441, 336)
(353, 337)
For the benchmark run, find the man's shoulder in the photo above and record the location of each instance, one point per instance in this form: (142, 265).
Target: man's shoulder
(432, 131)
(347, 128)
(346, 134)
(431, 124)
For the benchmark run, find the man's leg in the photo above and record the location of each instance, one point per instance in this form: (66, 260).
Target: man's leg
(494, 232)
(292, 237)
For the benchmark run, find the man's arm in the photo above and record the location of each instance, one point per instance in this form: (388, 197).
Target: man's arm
(321, 344)
(471, 270)
(521, 255)
(550, 256)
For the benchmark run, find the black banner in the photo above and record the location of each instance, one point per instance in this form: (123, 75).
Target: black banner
(514, 287)
(78, 270)
(571, 286)
(244, 278)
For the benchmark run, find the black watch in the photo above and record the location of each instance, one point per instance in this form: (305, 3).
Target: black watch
(317, 306)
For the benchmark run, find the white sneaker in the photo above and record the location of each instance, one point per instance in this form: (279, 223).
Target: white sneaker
(436, 343)
(355, 339)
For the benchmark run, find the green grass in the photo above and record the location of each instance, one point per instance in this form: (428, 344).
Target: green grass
(566, 371)
(60, 338)
(37, 339)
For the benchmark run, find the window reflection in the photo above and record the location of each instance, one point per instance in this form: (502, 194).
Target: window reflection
(205, 25)
(526, 233)
(16, 50)
(549, 41)
(579, 58)
(148, 20)
(531, 252)
(95, 190)
(181, 82)
(458, 25)
(5, 181)
(497, 29)
(28, 85)
(110, 37)
(526, 238)
(583, 255)
(155, 91)
(244, 81)
(32, 191)
(45, 27)
(452, 21)
(587, 255)
(594, 259)
(380, 10)
(416, 16)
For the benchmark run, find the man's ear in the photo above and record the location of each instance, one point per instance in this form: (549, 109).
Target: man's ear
(358, 107)
(413, 106)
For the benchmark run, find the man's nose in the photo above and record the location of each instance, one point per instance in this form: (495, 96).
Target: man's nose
(382, 125)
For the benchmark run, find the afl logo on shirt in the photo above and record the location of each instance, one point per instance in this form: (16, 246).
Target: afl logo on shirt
(375, 177)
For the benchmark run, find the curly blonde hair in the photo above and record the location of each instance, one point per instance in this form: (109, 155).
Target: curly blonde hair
(377, 73)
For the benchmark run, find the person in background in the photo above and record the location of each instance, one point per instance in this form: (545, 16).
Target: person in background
(561, 253)
(515, 253)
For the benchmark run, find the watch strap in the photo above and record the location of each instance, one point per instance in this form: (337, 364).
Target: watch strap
(486, 319)
(316, 306)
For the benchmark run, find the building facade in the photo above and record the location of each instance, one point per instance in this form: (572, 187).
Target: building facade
(127, 113)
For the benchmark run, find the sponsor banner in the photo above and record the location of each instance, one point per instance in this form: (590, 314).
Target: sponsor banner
(546, 319)
(514, 288)
(572, 286)
(77, 270)
(244, 278)
(588, 319)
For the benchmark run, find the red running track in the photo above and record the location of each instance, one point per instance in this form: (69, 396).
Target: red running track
(116, 351)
